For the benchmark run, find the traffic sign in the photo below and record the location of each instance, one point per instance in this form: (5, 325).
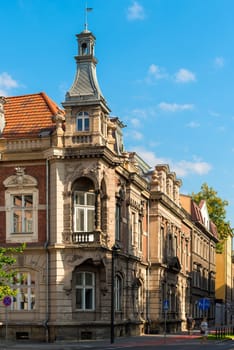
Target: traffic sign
(204, 304)
(7, 300)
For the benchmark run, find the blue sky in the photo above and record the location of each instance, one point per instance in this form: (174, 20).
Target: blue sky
(165, 68)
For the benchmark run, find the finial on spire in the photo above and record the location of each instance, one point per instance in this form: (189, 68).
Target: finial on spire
(87, 9)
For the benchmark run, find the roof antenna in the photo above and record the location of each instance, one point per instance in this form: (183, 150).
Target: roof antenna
(87, 9)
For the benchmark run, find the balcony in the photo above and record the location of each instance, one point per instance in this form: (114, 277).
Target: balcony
(88, 238)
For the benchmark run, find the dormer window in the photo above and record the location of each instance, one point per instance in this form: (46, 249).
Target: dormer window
(82, 121)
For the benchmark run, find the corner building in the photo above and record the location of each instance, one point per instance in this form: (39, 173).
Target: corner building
(108, 245)
(80, 203)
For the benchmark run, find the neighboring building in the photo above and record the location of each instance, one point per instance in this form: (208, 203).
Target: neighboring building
(204, 237)
(111, 247)
(224, 285)
(170, 244)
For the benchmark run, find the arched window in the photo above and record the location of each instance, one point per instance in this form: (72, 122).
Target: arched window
(84, 205)
(85, 290)
(82, 121)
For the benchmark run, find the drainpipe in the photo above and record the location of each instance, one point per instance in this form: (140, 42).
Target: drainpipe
(47, 254)
(147, 271)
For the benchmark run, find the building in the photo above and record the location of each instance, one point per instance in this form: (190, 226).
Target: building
(224, 285)
(170, 254)
(204, 237)
(80, 203)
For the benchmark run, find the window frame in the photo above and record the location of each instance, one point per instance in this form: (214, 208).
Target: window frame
(21, 237)
(83, 122)
(22, 284)
(83, 287)
(85, 210)
(118, 297)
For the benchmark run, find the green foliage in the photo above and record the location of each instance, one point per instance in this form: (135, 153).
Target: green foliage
(7, 259)
(217, 212)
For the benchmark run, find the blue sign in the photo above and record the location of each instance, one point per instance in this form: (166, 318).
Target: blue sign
(7, 301)
(166, 305)
(204, 304)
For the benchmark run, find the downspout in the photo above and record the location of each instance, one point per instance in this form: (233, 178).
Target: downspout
(147, 272)
(47, 254)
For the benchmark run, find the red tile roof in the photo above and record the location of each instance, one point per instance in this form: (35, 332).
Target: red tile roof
(28, 115)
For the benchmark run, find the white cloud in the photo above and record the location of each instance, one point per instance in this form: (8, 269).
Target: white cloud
(135, 12)
(174, 107)
(185, 168)
(219, 62)
(182, 168)
(135, 122)
(7, 83)
(184, 76)
(156, 72)
(136, 135)
(214, 114)
(193, 125)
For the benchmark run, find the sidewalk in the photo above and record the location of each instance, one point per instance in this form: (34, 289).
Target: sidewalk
(156, 340)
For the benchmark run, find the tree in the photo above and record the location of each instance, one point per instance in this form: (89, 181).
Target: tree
(217, 212)
(7, 259)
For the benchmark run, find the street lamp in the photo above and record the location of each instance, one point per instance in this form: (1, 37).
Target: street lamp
(115, 249)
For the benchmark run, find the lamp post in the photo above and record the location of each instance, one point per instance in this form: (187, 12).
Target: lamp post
(115, 249)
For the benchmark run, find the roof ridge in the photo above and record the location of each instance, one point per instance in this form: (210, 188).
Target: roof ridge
(54, 108)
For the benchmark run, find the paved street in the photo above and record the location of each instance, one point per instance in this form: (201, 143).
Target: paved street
(180, 342)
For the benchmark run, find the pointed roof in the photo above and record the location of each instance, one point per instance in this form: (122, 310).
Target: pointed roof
(85, 89)
(29, 115)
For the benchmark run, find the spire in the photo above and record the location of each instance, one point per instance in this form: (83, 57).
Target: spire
(85, 89)
(87, 9)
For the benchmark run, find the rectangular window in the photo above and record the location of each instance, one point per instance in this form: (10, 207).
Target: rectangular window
(118, 293)
(117, 221)
(84, 211)
(85, 291)
(24, 300)
(140, 234)
(22, 213)
(82, 123)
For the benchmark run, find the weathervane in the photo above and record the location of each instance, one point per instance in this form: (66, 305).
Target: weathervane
(87, 9)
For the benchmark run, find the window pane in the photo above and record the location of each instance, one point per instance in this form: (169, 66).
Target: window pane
(28, 201)
(17, 217)
(28, 221)
(88, 299)
(90, 220)
(88, 279)
(90, 199)
(17, 201)
(80, 219)
(79, 124)
(80, 198)
(78, 298)
(86, 124)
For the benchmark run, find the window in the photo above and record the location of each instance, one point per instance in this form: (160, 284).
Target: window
(118, 293)
(22, 213)
(82, 121)
(117, 221)
(24, 284)
(21, 207)
(140, 233)
(85, 288)
(84, 207)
